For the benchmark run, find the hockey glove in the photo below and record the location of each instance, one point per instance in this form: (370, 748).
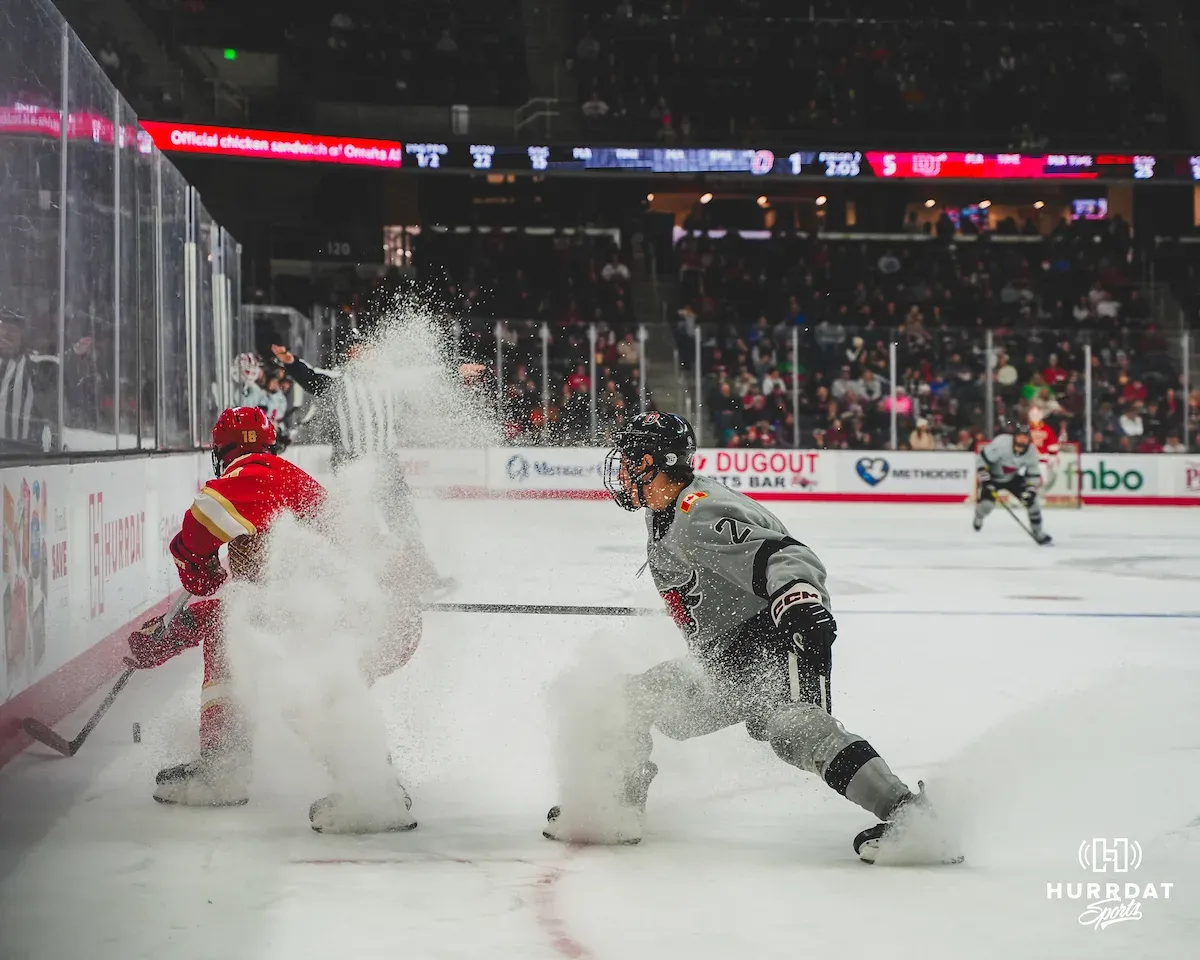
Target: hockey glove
(152, 646)
(799, 613)
(1028, 495)
(200, 576)
(987, 489)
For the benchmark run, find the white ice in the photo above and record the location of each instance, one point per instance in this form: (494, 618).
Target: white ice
(1047, 696)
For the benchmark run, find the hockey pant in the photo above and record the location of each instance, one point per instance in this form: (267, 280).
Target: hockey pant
(400, 513)
(395, 501)
(1020, 490)
(223, 726)
(682, 699)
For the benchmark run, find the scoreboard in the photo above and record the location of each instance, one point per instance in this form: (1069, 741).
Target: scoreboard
(767, 163)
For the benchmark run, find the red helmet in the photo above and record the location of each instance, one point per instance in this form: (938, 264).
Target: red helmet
(240, 430)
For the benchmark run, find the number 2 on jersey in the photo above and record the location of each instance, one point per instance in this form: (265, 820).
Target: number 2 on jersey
(737, 533)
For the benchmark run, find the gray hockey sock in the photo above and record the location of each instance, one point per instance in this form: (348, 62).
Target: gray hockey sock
(860, 774)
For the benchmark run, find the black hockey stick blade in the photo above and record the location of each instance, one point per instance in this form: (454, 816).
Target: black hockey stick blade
(68, 748)
(44, 735)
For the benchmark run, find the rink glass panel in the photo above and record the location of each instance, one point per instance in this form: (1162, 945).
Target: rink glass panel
(209, 406)
(146, 207)
(91, 335)
(129, 278)
(30, 167)
(175, 389)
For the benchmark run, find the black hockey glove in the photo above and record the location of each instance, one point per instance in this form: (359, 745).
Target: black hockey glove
(809, 624)
(987, 487)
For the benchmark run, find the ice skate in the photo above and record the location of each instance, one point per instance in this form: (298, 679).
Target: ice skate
(911, 836)
(977, 523)
(207, 782)
(619, 821)
(1041, 536)
(337, 813)
(619, 824)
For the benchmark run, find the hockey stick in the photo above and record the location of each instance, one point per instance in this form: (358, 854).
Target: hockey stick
(68, 748)
(1013, 513)
(550, 609)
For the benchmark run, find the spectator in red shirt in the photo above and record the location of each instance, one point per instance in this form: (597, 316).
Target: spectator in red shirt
(579, 381)
(1135, 391)
(1150, 444)
(1054, 375)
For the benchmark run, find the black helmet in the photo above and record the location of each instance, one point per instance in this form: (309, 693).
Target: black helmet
(666, 437)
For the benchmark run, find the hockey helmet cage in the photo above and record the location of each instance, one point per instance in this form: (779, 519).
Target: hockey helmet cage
(667, 438)
(240, 430)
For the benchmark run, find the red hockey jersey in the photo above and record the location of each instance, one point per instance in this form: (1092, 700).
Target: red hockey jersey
(239, 506)
(1044, 439)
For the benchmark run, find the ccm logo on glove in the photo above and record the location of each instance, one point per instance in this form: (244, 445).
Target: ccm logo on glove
(800, 593)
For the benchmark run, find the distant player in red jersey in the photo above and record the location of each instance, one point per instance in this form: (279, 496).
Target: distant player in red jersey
(1042, 435)
(252, 488)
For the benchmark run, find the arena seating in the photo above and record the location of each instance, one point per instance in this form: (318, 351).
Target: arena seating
(432, 53)
(1041, 298)
(1008, 74)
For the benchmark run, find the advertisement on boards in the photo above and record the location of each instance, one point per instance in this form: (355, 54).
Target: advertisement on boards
(575, 469)
(34, 571)
(933, 475)
(1141, 479)
(777, 472)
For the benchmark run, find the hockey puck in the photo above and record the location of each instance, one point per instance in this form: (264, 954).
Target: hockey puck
(137, 733)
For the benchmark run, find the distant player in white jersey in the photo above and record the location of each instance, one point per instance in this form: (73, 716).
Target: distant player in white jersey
(1011, 463)
(753, 607)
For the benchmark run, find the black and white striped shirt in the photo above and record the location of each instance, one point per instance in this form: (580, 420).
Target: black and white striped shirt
(23, 426)
(364, 417)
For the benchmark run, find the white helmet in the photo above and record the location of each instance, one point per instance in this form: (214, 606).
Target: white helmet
(246, 368)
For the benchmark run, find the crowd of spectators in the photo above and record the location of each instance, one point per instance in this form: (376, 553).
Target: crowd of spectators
(571, 283)
(1011, 74)
(845, 301)
(469, 51)
(518, 282)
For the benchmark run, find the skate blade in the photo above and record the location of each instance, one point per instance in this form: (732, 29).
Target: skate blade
(179, 803)
(870, 855)
(365, 831)
(593, 843)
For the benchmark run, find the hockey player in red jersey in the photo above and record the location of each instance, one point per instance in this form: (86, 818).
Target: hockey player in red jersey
(252, 488)
(1041, 435)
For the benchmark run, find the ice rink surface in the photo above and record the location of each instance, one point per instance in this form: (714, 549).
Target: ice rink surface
(1047, 696)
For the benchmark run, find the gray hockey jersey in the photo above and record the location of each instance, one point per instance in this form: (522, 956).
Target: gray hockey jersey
(1003, 464)
(719, 559)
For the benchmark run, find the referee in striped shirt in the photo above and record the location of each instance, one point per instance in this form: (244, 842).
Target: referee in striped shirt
(365, 422)
(26, 380)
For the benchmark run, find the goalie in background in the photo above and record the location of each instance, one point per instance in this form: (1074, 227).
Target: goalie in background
(1011, 463)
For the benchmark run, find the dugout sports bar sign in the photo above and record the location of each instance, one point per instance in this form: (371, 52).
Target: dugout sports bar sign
(770, 163)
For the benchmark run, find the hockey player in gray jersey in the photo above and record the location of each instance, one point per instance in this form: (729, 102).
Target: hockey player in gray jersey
(1011, 463)
(752, 604)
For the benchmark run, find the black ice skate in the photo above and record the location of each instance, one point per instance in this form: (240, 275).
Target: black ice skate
(618, 822)
(909, 837)
(977, 523)
(211, 781)
(1041, 536)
